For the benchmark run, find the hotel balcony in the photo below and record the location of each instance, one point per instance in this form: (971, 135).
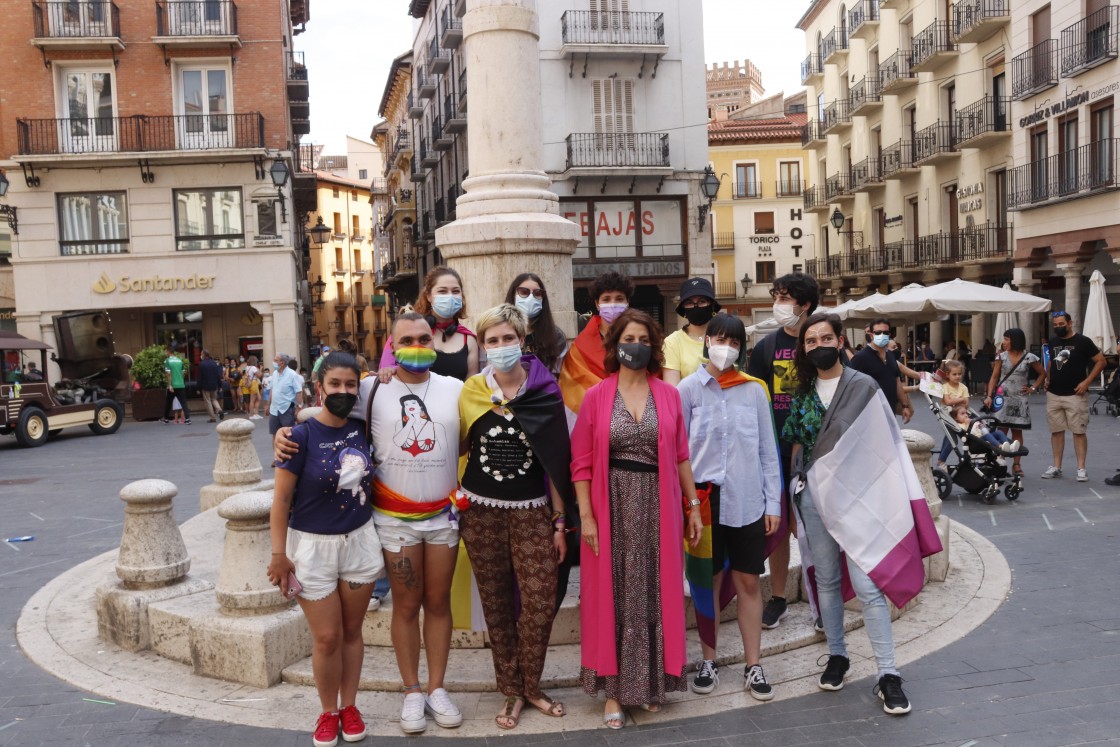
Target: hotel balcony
(196, 24)
(812, 134)
(812, 69)
(1035, 70)
(1091, 42)
(723, 240)
(836, 116)
(63, 25)
(865, 96)
(896, 74)
(813, 199)
(603, 154)
(834, 46)
(935, 143)
(930, 47)
(789, 188)
(838, 187)
(176, 137)
(985, 120)
(867, 175)
(898, 160)
(612, 34)
(979, 20)
(450, 30)
(746, 190)
(1089, 170)
(454, 121)
(863, 20)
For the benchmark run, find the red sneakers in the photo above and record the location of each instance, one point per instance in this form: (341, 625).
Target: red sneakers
(353, 728)
(326, 730)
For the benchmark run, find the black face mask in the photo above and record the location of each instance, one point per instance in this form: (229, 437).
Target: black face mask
(340, 404)
(699, 315)
(1061, 331)
(634, 355)
(823, 358)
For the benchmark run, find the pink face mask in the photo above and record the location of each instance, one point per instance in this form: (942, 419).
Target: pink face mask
(608, 312)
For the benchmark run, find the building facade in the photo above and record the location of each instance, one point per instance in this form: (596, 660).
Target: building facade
(143, 141)
(623, 96)
(732, 87)
(920, 140)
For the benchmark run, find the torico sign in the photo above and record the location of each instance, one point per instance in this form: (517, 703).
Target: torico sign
(627, 229)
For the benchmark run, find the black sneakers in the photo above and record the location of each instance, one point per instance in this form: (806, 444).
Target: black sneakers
(756, 683)
(834, 671)
(890, 692)
(773, 613)
(707, 677)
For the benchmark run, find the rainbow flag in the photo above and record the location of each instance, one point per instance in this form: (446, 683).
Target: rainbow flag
(582, 369)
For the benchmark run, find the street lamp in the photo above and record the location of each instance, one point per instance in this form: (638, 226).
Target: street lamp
(280, 173)
(746, 281)
(317, 289)
(837, 220)
(319, 233)
(8, 211)
(709, 186)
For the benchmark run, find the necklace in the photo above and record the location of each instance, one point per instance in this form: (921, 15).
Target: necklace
(423, 397)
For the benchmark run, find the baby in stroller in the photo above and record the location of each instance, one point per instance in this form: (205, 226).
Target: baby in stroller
(996, 439)
(981, 468)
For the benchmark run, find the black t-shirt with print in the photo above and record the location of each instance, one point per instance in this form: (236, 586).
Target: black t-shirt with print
(502, 464)
(1067, 373)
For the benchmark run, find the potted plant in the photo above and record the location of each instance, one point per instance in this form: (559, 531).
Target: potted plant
(148, 372)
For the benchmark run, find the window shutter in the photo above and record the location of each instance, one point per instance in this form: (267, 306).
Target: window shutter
(597, 103)
(628, 105)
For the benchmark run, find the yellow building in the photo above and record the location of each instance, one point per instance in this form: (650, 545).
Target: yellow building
(759, 228)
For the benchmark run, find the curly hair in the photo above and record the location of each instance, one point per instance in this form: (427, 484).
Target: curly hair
(611, 281)
(801, 286)
(614, 334)
(806, 371)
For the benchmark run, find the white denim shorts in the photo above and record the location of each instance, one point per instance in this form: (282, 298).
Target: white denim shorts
(322, 560)
(395, 537)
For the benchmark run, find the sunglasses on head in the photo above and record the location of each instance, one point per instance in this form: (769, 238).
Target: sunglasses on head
(1057, 314)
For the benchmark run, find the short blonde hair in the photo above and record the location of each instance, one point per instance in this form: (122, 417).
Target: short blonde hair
(952, 365)
(502, 314)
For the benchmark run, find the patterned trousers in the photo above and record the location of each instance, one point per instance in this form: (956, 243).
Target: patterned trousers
(511, 553)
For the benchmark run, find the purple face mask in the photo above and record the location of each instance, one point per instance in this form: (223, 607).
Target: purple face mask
(608, 312)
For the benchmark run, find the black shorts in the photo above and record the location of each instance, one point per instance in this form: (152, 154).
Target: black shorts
(744, 547)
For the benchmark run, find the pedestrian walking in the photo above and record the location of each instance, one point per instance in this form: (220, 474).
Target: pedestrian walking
(210, 385)
(287, 393)
(544, 339)
(1011, 372)
(684, 348)
(174, 369)
(1075, 363)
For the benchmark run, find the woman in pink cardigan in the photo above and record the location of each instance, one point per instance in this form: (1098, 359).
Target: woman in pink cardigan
(630, 467)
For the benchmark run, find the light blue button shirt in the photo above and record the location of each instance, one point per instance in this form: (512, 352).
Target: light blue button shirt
(285, 388)
(732, 442)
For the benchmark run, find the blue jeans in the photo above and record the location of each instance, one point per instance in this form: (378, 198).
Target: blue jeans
(826, 562)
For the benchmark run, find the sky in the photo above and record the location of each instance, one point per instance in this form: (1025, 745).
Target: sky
(350, 45)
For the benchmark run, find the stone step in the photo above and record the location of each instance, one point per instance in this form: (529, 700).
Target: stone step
(472, 669)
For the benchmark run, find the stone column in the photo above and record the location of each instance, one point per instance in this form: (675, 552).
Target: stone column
(979, 332)
(237, 468)
(508, 221)
(920, 445)
(936, 339)
(1072, 274)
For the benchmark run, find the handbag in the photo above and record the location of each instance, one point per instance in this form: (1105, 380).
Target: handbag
(993, 410)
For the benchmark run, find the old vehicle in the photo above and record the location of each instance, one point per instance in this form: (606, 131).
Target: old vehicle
(33, 409)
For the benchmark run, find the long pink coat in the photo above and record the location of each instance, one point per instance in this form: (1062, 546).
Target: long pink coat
(590, 461)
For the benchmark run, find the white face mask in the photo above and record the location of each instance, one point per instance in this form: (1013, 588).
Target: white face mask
(723, 357)
(785, 315)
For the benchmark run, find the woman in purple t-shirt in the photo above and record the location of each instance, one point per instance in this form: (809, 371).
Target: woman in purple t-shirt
(325, 550)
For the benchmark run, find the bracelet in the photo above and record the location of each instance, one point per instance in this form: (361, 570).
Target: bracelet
(279, 553)
(557, 515)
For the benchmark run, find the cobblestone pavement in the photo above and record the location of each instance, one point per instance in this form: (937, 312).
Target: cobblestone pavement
(1044, 670)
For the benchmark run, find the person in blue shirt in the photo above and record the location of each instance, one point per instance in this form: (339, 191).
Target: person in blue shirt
(325, 550)
(734, 450)
(286, 395)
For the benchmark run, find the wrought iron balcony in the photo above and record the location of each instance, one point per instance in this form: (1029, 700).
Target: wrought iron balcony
(296, 73)
(812, 132)
(789, 188)
(450, 30)
(441, 140)
(865, 95)
(428, 157)
(461, 105)
(415, 107)
(867, 174)
(896, 74)
(900, 255)
(1035, 70)
(620, 149)
(68, 23)
(724, 240)
(811, 67)
(746, 190)
(837, 186)
(196, 18)
(834, 43)
(982, 120)
(977, 20)
(454, 121)
(1081, 172)
(439, 59)
(985, 241)
(863, 19)
(139, 134)
(935, 143)
(586, 29)
(1091, 42)
(930, 46)
(425, 85)
(836, 115)
(898, 160)
(814, 199)
(416, 173)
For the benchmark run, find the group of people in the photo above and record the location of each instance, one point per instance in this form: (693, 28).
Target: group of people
(646, 457)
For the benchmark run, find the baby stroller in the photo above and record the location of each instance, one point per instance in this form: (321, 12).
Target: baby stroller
(980, 468)
(1110, 395)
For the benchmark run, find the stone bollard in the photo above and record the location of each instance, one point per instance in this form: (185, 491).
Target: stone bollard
(256, 633)
(237, 468)
(152, 565)
(920, 445)
(307, 413)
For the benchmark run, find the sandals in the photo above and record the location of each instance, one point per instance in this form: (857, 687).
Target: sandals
(652, 707)
(555, 708)
(509, 713)
(618, 717)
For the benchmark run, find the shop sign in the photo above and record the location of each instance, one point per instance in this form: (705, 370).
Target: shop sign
(969, 200)
(128, 284)
(621, 224)
(1069, 102)
(7, 315)
(586, 270)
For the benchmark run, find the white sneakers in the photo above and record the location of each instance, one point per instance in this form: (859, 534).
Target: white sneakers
(413, 720)
(446, 714)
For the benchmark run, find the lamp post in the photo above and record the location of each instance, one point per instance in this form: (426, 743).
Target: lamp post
(280, 174)
(746, 282)
(837, 220)
(710, 187)
(8, 211)
(319, 234)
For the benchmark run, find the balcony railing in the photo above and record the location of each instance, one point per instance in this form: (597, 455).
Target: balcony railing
(835, 41)
(977, 20)
(724, 240)
(987, 116)
(864, 93)
(425, 85)
(630, 149)
(727, 288)
(811, 66)
(450, 30)
(789, 188)
(836, 115)
(900, 255)
(196, 18)
(1079, 172)
(439, 59)
(139, 133)
(936, 140)
(746, 190)
(1091, 42)
(65, 19)
(812, 131)
(415, 107)
(837, 185)
(895, 72)
(99, 246)
(864, 12)
(867, 173)
(296, 67)
(1035, 70)
(613, 27)
(930, 42)
(897, 158)
(814, 198)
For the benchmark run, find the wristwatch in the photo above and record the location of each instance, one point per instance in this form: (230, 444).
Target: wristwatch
(694, 503)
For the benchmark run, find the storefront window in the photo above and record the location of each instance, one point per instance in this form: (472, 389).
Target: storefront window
(93, 223)
(627, 229)
(208, 219)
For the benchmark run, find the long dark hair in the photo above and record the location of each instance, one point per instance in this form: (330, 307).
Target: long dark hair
(424, 306)
(806, 371)
(547, 345)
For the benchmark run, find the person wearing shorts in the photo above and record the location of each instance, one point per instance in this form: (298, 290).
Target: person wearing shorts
(1075, 363)
(325, 549)
(737, 469)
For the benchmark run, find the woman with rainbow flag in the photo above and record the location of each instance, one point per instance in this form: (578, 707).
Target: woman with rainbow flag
(738, 476)
(515, 484)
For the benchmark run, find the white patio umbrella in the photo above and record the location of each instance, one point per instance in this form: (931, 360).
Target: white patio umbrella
(1005, 320)
(1098, 320)
(957, 297)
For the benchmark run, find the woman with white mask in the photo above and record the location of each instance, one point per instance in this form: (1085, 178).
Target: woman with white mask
(544, 339)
